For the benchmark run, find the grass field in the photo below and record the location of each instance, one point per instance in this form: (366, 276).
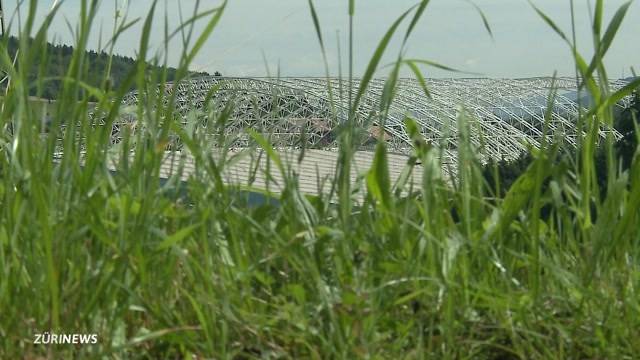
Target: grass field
(550, 271)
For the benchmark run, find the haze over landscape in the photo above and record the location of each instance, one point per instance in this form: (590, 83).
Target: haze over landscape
(451, 33)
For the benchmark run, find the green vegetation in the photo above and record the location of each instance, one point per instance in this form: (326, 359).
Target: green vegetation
(55, 60)
(447, 272)
(502, 174)
(626, 124)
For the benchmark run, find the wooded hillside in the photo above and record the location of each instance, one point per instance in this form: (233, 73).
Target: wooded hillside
(58, 57)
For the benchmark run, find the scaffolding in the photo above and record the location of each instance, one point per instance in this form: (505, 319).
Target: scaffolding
(506, 116)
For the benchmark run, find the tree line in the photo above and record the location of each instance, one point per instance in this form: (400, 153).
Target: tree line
(55, 62)
(506, 172)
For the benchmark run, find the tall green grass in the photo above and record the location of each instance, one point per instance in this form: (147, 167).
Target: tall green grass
(447, 272)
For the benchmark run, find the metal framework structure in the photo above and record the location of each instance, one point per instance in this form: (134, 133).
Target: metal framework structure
(506, 115)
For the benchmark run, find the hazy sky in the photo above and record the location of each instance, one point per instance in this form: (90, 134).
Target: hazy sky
(451, 33)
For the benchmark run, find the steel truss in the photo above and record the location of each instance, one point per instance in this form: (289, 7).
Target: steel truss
(507, 115)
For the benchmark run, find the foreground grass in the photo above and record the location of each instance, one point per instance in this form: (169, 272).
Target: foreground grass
(448, 272)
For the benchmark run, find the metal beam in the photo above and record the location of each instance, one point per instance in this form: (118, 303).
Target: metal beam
(507, 115)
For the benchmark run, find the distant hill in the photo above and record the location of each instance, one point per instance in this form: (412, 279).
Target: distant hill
(59, 59)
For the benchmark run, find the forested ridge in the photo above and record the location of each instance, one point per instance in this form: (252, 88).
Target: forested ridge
(57, 58)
